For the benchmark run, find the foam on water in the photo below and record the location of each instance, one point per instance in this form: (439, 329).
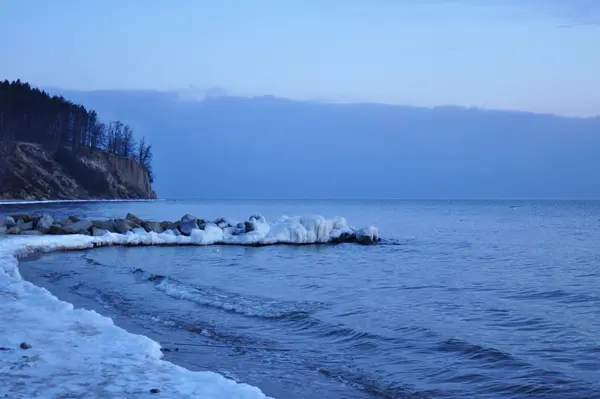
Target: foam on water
(246, 305)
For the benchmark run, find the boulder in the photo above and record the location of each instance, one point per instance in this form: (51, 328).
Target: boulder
(98, 232)
(188, 217)
(344, 237)
(170, 225)
(56, 229)
(9, 222)
(108, 225)
(25, 225)
(187, 226)
(134, 219)
(156, 227)
(24, 217)
(122, 226)
(81, 227)
(175, 232)
(222, 223)
(45, 223)
(13, 230)
(249, 226)
(32, 233)
(74, 219)
(367, 236)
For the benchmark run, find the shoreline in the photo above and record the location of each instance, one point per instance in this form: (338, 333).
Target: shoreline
(50, 348)
(59, 201)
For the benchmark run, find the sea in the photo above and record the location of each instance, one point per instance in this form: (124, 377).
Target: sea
(486, 299)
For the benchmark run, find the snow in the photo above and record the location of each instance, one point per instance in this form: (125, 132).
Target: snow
(78, 353)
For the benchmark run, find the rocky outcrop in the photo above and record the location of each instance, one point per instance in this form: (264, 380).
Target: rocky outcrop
(33, 172)
(187, 226)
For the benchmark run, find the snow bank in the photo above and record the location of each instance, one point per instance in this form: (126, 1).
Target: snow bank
(78, 353)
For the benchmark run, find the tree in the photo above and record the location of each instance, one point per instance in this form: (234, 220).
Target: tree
(29, 114)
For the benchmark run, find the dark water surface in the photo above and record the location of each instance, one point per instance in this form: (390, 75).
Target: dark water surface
(464, 299)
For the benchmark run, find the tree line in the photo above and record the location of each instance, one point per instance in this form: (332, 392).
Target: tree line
(29, 114)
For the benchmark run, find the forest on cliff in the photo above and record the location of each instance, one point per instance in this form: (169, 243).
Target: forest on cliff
(30, 115)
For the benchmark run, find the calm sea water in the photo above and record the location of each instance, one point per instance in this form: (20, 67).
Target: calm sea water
(464, 299)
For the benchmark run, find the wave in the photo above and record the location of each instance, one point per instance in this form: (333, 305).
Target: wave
(228, 301)
(77, 352)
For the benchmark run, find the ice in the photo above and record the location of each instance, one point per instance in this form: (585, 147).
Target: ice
(78, 353)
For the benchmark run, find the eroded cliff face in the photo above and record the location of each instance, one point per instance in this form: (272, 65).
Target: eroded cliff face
(32, 172)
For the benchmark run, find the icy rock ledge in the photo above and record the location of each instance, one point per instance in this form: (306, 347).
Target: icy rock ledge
(192, 230)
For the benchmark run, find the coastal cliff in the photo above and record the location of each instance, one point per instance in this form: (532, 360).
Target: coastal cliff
(34, 172)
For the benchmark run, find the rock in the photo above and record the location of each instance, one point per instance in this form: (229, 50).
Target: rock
(188, 217)
(344, 237)
(171, 225)
(367, 236)
(65, 222)
(25, 225)
(13, 230)
(81, 227)
(155, 390)
(222, 223)
(187, 226)
(249, 226)
(25, 345)
(9, 222)
(24, 217)
(122, 226)
(32, 233)
(155, 227)
(108, 225)
(56, 229)
(134, 219)
(45, 223)
(74, 219)
(98, 232)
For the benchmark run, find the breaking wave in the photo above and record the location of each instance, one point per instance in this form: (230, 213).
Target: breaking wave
(228, 301)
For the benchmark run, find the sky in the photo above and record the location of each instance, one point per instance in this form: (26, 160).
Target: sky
(530, 55)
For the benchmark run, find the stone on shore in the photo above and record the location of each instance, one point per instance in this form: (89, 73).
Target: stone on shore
(23, 226)
(108, 225)
(156, 227)
(249, 226)
(13, 230)
(9, 222)
(188, 217)
(81, 227)
(187, 226)
(56, 229)
(25, 218)
(122, 226)
(134, 219)
(44, 224)
(97, 232)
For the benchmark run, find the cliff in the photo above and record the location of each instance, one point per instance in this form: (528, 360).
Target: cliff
(33, 172)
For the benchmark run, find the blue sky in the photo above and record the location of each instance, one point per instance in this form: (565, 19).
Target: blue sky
(535, 55)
